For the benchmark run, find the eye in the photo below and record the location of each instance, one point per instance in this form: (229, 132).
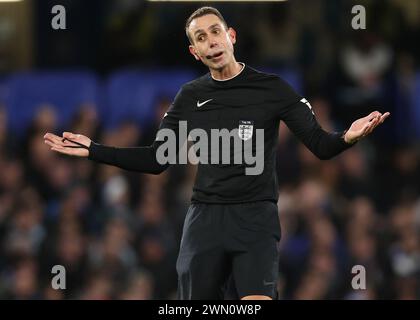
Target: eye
(200, 37)
(216, 31)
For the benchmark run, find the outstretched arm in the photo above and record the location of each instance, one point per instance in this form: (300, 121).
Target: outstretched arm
(141, 159)
(325, 145)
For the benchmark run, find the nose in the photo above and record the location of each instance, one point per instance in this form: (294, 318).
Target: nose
(213, 42)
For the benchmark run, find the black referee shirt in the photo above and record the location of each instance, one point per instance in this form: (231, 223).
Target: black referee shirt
(248, 102)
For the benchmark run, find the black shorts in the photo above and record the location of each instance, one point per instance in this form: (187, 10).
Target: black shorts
(229, 251)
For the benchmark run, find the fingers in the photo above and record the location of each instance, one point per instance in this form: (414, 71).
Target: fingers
(64, 150)
(75, 140)
(60, 141)
(373, 124)
(68, 135)
(365, 130)
(376, 114)
(48, 142)
(377, 120)
(373, 115)
(369, 126)
(51, 137)
(70, 143)
(384, 116)
(65, 146)
(71, 136)
(53, 140)
(61, 145)
(56, 147)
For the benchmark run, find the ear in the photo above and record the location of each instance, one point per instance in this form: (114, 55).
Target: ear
(232, 35)
(193, 52)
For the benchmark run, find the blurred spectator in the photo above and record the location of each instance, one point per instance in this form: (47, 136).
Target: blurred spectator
(140, 288)
(366, 61)
(86, 121)
(98, 287)
(22, 282)
(25, 231)
(113, 252)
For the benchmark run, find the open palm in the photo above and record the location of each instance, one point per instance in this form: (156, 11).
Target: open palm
(364, 126)
(70, 144)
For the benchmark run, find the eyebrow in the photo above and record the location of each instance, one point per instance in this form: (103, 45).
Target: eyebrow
(211, 27)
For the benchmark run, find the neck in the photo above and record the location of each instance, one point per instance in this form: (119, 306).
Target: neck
(228, 71)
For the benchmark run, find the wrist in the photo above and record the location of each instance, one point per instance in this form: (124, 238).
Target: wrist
(346, 138)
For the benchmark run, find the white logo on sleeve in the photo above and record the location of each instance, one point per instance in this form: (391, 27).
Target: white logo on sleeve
(308, 104)
(200, 104)
(165, 114)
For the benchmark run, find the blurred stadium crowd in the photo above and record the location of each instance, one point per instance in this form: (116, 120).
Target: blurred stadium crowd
(117, 233)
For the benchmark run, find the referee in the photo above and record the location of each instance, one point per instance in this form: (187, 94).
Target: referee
(231, 230)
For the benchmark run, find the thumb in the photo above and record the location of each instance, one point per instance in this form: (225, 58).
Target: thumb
(69, 135)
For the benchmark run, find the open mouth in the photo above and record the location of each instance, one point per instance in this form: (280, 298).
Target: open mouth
(215, 56)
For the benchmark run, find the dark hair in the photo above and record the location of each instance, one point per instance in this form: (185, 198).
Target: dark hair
(202, 12)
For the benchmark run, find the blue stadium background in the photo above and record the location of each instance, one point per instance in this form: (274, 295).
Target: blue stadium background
(111, 76)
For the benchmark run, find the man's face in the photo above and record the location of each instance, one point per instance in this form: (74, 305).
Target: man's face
(211, 42)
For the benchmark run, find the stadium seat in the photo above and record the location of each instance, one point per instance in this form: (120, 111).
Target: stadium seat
(133, 94)
(65, 91)
(4, 90)
(415, 105)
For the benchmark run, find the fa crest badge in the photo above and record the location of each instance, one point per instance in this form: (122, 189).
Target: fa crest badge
(246, 128)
